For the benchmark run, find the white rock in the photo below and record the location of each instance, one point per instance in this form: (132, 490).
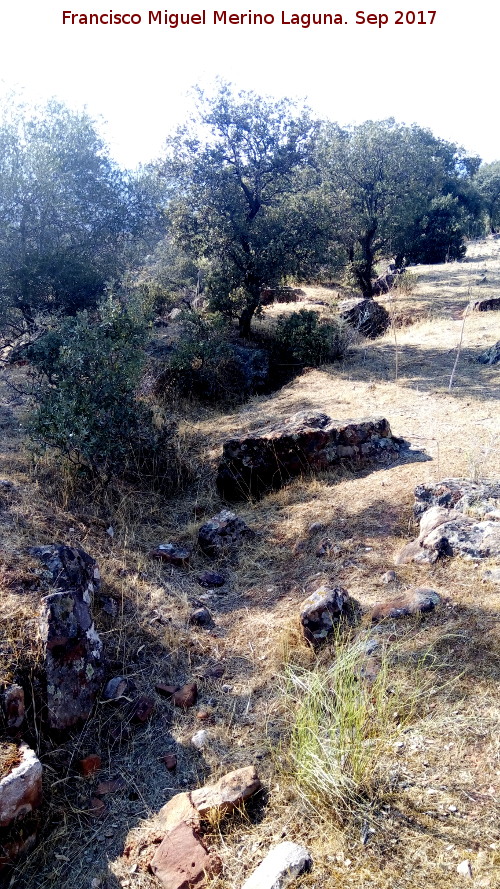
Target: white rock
(200, 739)
(21, 789)
(280, 867)
(464, 868)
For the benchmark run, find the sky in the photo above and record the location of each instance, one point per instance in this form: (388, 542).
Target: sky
(136, 79)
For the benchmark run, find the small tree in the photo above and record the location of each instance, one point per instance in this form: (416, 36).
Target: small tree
(85, 374)
(487, 182)
(241, 198)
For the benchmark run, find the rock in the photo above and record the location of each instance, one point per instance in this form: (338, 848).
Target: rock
(222, 533)
(250, 367)
(414, 552)
(389, 577)
(321, 611)
(200, 739)
(473, 540)
(13, 707)
(491, 355)
(170, 761)
(324, 548)
(471, 498)
(142, 710)
(280, 867)
(201, 617)
(113, 786)
(492, 575)
(73, 657)
(172, 553)
(266, 460)
(211, 579)
(280, 295)
(90, 764)
(465, 869)
(21, 788)
(489, 304)
(96, 807)
(366, 316)
(118, 687)
(165, 689)
(228, 793)
(186, 696)
(182, 861)
(69, 568)
(436, 516)
(417, 600)
(178, 809)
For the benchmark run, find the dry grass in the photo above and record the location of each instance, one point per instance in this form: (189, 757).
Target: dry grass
(450, 753)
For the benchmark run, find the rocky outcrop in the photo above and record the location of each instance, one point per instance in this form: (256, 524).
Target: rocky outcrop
(457, 518)
(223, 533)
(366, 316)
(321, 612)
(264, 461)
(471, 498)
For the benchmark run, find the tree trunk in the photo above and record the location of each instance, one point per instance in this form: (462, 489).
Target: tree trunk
(364, 268)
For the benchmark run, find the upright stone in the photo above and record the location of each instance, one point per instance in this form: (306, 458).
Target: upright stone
(73, 658)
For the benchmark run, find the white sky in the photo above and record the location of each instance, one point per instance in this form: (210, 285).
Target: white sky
(136, 78)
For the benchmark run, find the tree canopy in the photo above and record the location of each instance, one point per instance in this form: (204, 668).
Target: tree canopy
(241, 197)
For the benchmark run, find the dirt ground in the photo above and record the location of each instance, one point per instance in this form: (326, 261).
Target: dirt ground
(443, 807)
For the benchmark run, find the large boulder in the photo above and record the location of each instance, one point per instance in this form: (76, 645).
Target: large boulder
(366, 316)
(264, 461)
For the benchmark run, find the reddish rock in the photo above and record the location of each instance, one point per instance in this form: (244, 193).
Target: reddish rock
(90, 764)
(181, 861)
(186, 696)
(166, 690)
(226, 794)
(418, 600)
(321, 611)
(264, 461)
(21, 789)
(96, 807)
(179, 809)
(171, 553)
(113, 786)
(13, 706)
(142, 709)
(170, 761)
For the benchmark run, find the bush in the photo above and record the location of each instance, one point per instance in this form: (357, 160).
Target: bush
(85, 375)
(306, 340)
(205, 364)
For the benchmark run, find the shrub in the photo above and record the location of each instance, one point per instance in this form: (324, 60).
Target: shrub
(205, 364)
(85, 374)
(306, 340)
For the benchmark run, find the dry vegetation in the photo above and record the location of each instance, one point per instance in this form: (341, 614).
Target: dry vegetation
(432, 800)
